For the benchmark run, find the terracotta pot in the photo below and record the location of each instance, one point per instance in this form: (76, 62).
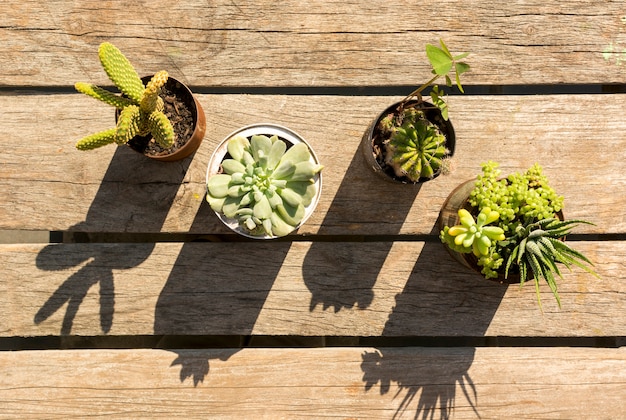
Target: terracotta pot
(283, 133)
(372, 144)
(183, 93)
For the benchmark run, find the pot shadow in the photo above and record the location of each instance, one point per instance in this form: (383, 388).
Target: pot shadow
(135, 193)
(448, 308)
(341, 279)
(215, 296)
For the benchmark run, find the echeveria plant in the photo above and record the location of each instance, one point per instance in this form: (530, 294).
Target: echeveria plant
(264, 185)
(141, 108)
(473, 236)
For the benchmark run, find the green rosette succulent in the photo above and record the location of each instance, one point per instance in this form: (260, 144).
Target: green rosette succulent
(265, 186)
(141, 108)
(416, 149)
(473, 236)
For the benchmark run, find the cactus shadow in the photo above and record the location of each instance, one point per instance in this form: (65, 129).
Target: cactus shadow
(342, 278)
(453, 307)
(216, 294)
(135, 193)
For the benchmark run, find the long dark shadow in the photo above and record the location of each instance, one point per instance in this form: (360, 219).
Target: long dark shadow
(344, 277)
(135, 194)
(209, 293)
(441, 299)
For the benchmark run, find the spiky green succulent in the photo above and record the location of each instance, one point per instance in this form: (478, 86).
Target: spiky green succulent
(265, 186)
(141, 108)
(417, 148)
(539, 249)
(473, 236)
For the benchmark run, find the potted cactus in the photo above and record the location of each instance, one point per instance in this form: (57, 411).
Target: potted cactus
(412, 141)
(263, 181)
(510, 229)
(160, 119)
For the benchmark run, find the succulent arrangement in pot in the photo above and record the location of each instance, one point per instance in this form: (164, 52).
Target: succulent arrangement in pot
(160, 119)
(412, 140)
(511, 229)
(263, 181)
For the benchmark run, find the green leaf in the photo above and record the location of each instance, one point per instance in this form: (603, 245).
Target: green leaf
(215, 203)
(99, 139)
(260, 146)
(218, 185)
(305, 171)
(120, 71)
(441, 62)
(103, 95)
(297, 153)
(444, 48)
(461, 68)
(236, 147)
(276, 153)
(262, 208)
(460, 56)
(279, 226)
(232, 166)
(290, 196)
(291, 214)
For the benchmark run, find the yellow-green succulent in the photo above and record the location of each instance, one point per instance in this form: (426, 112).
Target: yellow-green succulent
(141, 108)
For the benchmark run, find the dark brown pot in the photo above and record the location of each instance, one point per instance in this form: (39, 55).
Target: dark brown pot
(183, 94)
(372, 143)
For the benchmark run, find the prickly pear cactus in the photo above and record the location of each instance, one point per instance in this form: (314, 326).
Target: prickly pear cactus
(141, 108)
(416, 149)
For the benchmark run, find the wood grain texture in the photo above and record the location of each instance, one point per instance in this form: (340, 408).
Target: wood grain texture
(391, 289)
(369, 383)
(352, 43)
(45, 184)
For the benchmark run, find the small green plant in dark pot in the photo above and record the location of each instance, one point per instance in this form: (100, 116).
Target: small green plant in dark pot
(412, 141)
(511, 229)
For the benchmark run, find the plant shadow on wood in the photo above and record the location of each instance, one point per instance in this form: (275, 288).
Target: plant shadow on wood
(134, 193)
(441, 299)
(216, 294)
(341, 278)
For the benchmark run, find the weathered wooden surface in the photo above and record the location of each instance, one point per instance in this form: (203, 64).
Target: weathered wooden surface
(460, 383)
(352, 43)
(45, 184)
(300, 289)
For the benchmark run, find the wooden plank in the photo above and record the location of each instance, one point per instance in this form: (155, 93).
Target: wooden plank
(368, 383)
(579, 140)
(301, 288)
(266, 43)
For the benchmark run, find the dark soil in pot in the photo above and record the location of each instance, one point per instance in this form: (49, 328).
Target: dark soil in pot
(187, 119)
(373, 143)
